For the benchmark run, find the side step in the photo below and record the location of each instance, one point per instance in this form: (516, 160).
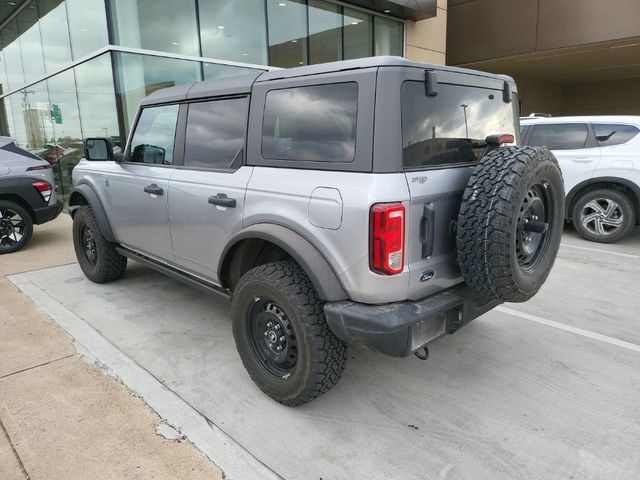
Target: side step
(175, 273)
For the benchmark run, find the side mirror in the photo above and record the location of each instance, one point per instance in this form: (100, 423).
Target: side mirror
(98, 149)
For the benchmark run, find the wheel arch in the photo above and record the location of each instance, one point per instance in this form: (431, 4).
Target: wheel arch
(627, 186)
(12, 197)
(246, 250)
(85, 195)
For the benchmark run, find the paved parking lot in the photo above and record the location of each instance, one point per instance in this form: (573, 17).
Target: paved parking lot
(547, 389)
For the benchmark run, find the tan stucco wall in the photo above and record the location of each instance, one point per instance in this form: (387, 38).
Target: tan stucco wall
(426, 40)
(613, 97)
(539, 96)
(485, 29)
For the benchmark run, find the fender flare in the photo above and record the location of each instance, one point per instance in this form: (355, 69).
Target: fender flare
(571, 196)
(314, 264)
(89, 194)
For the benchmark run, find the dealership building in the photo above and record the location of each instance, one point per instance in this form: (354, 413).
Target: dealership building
(70, 69)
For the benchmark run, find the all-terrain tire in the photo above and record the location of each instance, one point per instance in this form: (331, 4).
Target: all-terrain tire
(491, 229)
(320, 355)
(624, 212)
(8, 244)
(108, 264)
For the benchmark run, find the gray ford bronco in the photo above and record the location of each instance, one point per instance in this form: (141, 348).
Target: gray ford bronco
(378, 202)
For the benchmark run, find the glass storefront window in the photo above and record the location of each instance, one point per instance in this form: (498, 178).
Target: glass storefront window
(12, 57)
(56, 47)
(30, 42)
(325, 32)
(214, 70)
(232, 30)
(141, 75)
(358, 34)
(64, 149)
(388, 36)
(163, 25)
(97, 99)
(287, 33)
(87, 26)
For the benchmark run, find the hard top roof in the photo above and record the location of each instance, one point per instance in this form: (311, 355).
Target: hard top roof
(243, 83)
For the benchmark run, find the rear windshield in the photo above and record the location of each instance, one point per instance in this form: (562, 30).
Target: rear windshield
(13, 148)
(441, 130)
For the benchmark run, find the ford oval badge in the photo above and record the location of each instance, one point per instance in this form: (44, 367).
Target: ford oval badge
(426, 276)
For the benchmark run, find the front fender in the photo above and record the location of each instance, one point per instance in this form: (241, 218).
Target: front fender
(85, 194)
(320, 273)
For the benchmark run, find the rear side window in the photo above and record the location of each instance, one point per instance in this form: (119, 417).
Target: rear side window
(316, 123)
(560, 136)
(155, 135)
(608, 134)
(215, 133)
(445, 129)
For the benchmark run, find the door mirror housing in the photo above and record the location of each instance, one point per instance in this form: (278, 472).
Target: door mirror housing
(98, 149)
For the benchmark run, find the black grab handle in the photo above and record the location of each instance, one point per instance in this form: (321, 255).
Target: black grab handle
(222, 200)
(427, 229)
(154, 189)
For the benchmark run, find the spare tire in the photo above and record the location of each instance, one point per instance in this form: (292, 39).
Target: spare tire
(510, 222)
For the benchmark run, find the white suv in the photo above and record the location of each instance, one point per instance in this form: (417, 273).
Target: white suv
(600, 161)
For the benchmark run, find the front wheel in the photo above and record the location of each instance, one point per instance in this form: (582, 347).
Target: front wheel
(16, 227)
(604, 215)
(96, 256)
(282, 336)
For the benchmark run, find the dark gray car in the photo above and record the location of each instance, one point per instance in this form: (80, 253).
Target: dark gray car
(27, 195)
(378, 201)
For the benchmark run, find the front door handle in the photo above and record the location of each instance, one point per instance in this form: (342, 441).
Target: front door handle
(154, 189)
(222, 200)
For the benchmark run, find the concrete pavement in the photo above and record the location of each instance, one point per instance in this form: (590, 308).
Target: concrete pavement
(507, 397)
(62, 417)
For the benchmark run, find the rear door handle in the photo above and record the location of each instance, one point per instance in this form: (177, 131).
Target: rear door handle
(154, 189)
(222, 200)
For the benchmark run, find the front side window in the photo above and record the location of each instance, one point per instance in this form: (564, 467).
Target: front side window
(560, 136)
(315, 123)
(447, 129)
(215, 133)
(155, 136)
(609, 134)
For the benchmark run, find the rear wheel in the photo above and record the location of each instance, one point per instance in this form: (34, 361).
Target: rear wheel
(282, 336)
(604, 215)
(16, 227)
(510, 222)
(96, 256)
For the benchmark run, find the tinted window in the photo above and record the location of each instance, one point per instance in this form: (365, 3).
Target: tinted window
(316, 123)
(561, 136)
(612, 134)
(155, 135)
(215, 133)
(446, 129)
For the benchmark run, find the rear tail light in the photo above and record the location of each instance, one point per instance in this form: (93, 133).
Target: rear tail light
(45, 190)
(39, 167)
(386, 238)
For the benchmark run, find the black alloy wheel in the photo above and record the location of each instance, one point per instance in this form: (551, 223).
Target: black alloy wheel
(16, 227)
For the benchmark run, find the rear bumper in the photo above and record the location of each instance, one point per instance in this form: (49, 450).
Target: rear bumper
(48, 213)
(400, 328)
